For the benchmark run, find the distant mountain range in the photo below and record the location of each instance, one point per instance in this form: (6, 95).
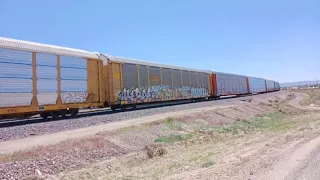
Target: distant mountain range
(300, 83)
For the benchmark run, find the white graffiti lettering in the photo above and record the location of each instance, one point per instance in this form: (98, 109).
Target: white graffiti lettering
(160, 93)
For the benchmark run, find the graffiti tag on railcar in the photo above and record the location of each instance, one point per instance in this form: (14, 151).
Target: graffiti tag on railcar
(160, 93)
(74, 97)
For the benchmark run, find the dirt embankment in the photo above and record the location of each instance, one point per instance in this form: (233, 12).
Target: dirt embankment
(248, 139)
(310, 98)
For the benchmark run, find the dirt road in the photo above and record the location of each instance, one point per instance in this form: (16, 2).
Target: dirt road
(309, 168)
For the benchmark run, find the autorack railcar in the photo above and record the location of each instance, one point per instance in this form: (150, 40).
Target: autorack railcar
(270, 85)
(225, 84)
(50, 80)
(133, 82)
(257, 85)
(277, 86)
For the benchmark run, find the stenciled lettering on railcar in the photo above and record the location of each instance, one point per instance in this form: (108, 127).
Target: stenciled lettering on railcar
(155, 78)
(160, 93)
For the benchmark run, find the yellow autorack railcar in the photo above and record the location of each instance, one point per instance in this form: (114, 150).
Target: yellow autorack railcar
(131, 82)
(49, 80)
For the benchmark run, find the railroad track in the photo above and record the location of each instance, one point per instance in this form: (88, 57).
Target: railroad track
(105, 111)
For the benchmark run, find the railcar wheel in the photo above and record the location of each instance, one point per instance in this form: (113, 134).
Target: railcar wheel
(123, 108)
(74, 112)
(44, 115)
(113, 108)
(54, 114)
(63, 113)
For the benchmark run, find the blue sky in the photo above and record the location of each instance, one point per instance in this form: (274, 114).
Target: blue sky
(277, 40)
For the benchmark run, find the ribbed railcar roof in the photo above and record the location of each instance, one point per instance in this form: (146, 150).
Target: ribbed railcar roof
(255, 77)
(140, 62)
(45, 48)
(230, 74)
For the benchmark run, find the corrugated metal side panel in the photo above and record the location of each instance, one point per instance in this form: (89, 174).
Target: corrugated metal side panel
(199, 79)
(130, 76)
(73, 62)
(231, 84)
(8, 70)
(257, 85)
(140, 62)
(235, 84)
(15, 99)
(166, 77)
(107, 85)
(214, 88)
(74, 97)
(176, 78)
(270, 85)
(185, 78)
(12, 85)
(115, 82)
(44, 72)
(205, 80)
(220, 84)
(154, 73)
(47, 83)
(15, 78)
(185, 92)
(101, 83)
(93, 83)
(75, 74)
(278, 85)
(74, 87)
(15, 56)
(46, 59)
(194, 80)
(243, 85)
(143, 72)
(74, 91)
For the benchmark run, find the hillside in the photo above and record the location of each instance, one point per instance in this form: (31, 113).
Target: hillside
(299, 83)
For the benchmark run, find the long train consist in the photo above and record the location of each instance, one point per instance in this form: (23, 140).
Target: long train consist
(56, 81)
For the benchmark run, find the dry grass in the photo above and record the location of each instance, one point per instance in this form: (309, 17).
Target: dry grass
(158, 149)
(201, 146)
(313, 97)
(201, 153)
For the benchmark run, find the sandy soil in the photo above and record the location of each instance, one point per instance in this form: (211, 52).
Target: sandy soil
(270, 154)
(253, 138)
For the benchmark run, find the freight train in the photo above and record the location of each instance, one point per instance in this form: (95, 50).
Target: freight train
(56, 81)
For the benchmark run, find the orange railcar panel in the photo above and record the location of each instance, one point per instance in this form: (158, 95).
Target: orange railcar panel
(214, 85)
(115, 81)
(93, 81)
(102, 94)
